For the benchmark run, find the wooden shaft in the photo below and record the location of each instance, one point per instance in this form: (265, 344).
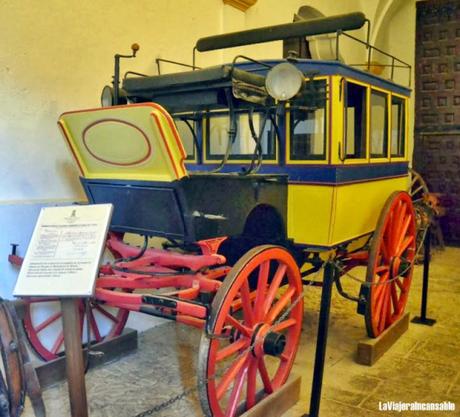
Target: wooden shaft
(74, 358)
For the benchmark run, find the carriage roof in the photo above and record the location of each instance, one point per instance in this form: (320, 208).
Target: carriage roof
(202, 88)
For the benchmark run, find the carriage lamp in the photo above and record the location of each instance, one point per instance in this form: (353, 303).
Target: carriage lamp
(108, 96)
(284, 81)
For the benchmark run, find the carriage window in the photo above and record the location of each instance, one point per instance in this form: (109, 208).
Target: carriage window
(398, 126)
(243, 147)
(379, 124)
(187, 129)
(355, 121)
(308, 124)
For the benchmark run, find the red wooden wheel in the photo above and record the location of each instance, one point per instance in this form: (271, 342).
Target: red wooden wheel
(255, 333)
(391, 263)
(43, 324)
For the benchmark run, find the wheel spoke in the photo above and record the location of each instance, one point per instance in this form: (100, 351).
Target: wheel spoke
(403, 232)
(238, 325)
(419, 188)
(284, 357)
(247, 304)
(394, 298)
(286, 324)
(48, 321)
(230, 375)
(385, 306)
(262, 282)
(384, 249)
(251, 383)
(378, 290)
(274, 286)
(268, 388)
(58, 343)
(383, 278)
(279, 305)
(105, 313)
(236, 391)
(231, 349)
(93, 325)
(404, 245)
(380, 303)
(381, 268)
(397, 225)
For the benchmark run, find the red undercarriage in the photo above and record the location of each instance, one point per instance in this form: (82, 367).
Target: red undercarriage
(189, 276)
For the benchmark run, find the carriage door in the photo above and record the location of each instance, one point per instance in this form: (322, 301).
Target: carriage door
(437, 106)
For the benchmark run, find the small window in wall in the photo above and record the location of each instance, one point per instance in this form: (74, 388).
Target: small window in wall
(218, 125)
(186, 127)
(355, 121)
(308, 124)
(398, 126)
(379, 124)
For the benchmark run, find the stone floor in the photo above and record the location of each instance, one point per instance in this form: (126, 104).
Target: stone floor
(424, 365)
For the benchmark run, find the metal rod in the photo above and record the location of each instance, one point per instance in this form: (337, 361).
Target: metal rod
(339, 32)
(423, 319)
(168, 61)
(368, 45)
(426, 274)
(75, 369)
(116, 79)
(330, 273)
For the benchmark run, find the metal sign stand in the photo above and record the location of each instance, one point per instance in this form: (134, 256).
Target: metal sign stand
(423, 319)
(330, 274)
(75, 368)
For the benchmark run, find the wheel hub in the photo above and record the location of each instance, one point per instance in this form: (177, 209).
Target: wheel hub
(266, 342)
(274, 343)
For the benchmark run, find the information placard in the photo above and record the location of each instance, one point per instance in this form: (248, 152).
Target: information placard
(65, 251)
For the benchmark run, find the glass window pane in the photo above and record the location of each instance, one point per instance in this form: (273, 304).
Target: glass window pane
(244, 145)
(379, 125)
(308, 124)
(186, 135)
(398, 126)
(355, 120)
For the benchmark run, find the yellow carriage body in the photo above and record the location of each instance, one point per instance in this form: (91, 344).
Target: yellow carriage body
(326, 215)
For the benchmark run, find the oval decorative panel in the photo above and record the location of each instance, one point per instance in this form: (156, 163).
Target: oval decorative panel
(116, 142)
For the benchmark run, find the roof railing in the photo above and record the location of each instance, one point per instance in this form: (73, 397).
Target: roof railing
(370, 48)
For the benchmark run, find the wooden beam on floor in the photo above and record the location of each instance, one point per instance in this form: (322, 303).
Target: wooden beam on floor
(54, 371)
(279, 402)
(371, 350)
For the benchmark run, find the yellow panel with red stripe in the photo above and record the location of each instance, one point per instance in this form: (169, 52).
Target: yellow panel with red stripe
(132, 142)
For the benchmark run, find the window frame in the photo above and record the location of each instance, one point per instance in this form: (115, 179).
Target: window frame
(327, 130)
(343, 141)
(387, 94)
(235, 161)
(194, 157)
(405, 100)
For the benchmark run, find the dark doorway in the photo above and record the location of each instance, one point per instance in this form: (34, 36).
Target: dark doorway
(437, 106)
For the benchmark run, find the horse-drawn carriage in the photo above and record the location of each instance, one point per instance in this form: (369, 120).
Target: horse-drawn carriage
(253, 174)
